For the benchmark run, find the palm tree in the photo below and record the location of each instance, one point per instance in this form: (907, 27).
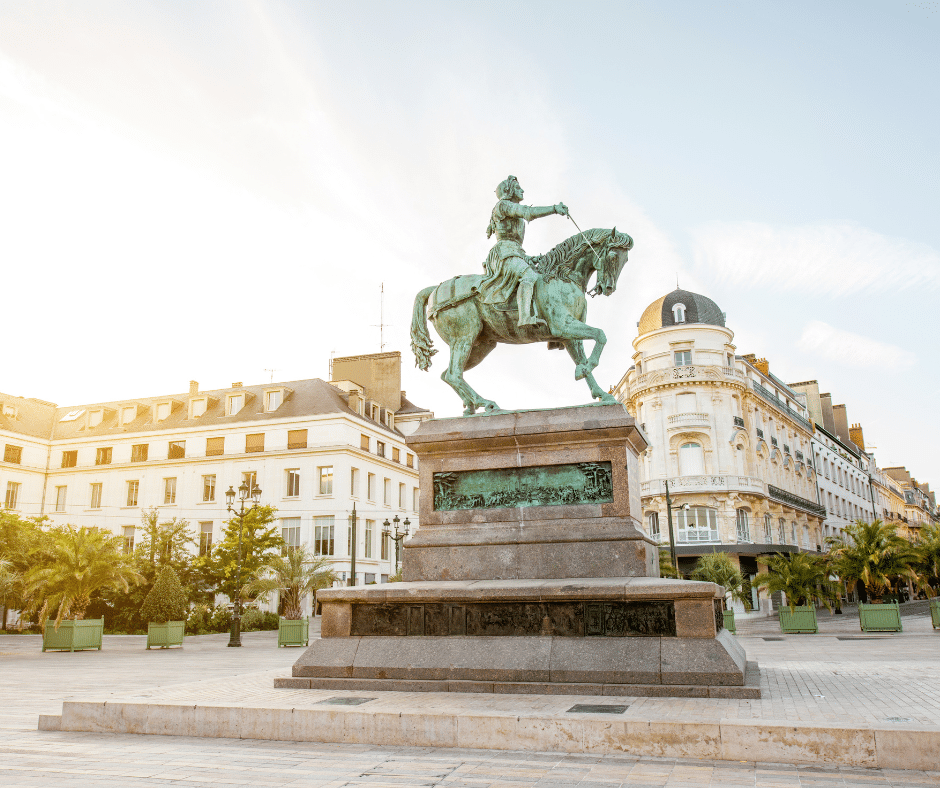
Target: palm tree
(82, 562)
(295, 575)
(803, 577)
(718, 568)
(927, 566)
(873, 553)
(9, 583)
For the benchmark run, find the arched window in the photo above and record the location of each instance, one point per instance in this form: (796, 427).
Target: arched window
(652, 521)
(744, 531)
(691, 459)
(768, 529)
(782, 530)
(678, 313)
(698, 524)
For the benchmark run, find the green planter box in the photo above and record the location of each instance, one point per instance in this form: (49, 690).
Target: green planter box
(293, 632)
(73, 635)
(165, 635)
(729, 621)
(800, 621)
(935, 612)
(885, 617)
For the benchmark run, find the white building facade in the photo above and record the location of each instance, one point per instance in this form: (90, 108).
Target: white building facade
(844, 482)
(731, 441)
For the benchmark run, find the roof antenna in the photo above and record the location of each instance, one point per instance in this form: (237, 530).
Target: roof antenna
(677, 280)
(272, 371)
(382, 325)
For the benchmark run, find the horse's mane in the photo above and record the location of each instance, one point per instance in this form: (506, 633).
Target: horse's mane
(560, 260)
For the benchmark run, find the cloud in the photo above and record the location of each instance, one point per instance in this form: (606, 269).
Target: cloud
(836, 260)
(852, 350)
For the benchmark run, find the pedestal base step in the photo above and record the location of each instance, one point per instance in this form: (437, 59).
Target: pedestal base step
(750, 690)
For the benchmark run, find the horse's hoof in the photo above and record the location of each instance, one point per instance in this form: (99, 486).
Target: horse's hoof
(608, 399)
(469, 410)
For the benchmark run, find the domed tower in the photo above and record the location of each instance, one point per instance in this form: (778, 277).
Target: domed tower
(724, 437)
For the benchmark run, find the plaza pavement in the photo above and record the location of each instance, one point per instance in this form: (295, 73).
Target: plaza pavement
(857, 681)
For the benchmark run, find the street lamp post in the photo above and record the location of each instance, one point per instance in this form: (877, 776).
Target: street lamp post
(244, 492)
(387, 533)
(352, 548)
(672, 536)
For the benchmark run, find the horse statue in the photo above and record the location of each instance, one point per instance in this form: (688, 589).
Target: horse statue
(473, 328)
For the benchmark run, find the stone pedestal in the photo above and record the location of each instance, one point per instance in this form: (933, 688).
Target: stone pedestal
(529, 574)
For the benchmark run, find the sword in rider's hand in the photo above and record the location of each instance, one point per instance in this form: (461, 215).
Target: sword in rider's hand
(593, 291)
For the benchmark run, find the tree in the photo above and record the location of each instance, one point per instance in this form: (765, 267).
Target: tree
(294, 575)
(718, 568)
(803, 577)
(927, 559)
(164, 544)
(82, 562)
(166, 600)
(874, 554)
(260, 542)
(23, 545)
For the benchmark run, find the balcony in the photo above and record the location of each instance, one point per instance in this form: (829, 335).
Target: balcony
(703, 483)
(790, 499)
(780, 405)
(694, 372)
(681, 421)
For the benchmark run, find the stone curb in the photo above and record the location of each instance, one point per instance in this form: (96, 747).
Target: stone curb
(898, 747)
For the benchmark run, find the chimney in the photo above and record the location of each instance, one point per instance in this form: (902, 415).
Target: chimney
(825, 401)
(840, 420)
(763, 365)
(855, 435)
(237, 385)
(194, 387)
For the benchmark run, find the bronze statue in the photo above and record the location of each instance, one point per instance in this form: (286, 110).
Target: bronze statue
(473, 313)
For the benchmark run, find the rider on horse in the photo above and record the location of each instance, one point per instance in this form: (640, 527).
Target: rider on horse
(507, 265)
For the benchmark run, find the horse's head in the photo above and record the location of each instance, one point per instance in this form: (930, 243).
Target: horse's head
(611, 258)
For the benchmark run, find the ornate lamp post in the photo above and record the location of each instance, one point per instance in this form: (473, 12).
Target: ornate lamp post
(235, 638)
(387, 533)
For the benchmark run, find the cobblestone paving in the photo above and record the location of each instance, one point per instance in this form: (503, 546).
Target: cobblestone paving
(865, 680)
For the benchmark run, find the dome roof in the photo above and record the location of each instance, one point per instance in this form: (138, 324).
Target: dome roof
(698, 309)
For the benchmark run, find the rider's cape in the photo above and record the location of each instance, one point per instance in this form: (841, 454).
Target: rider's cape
(504, 265)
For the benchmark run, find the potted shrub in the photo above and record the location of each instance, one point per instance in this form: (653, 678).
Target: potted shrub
(876, 555)
(804, 579)
(77, 563)
(294, 575)
(935, 612)
(165, 611)
(718, 568)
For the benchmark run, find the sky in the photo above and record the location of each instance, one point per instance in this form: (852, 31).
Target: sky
(220, 191)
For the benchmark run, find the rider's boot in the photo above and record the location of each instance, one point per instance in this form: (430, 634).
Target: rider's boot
(524, 294)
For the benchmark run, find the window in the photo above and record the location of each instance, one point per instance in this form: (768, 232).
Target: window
(698, 524)
(387, 492)
(401, 496)
(60, 499)
(254, 442)
(176, 450)
(290, 533)
(369, 537)
(396, 454)
(793, 533)
(103, 456)
(370, 487)
(743, 527)
(273, 400)
(69, 459)
(129, 532)
(215, 447)
(691, 459)
(163, 411)
(414, 499)
(133, 488)
(782, 531)
(13, 494)
(678, 314)
(296, 439)
(354, 482)
(197, 407)
(323, 536)
(325, 474)
(652, 523)
(380, 448)
(205, 538)
(208, 487)
(683, 358)
(169, 490)
(410, 461)
(234, 403)
(364, 442)
(251, 479)
(95, 502)
(293, 482)
(768, 529)
(139, 452)
(13, 454)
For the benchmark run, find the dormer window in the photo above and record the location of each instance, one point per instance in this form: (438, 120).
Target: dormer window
(678, 313)
(274, 398)
(162, 411)
(234, 403)
(198, 407)
(128, 414)
(95, 418)
(9, 411)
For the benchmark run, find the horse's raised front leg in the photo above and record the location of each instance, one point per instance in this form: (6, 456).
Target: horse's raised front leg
(570, 328)
(575, 348)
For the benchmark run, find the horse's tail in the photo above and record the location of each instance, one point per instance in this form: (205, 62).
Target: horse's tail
(421, 344)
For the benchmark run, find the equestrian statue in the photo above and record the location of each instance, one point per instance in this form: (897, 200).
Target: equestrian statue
(519, 299)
